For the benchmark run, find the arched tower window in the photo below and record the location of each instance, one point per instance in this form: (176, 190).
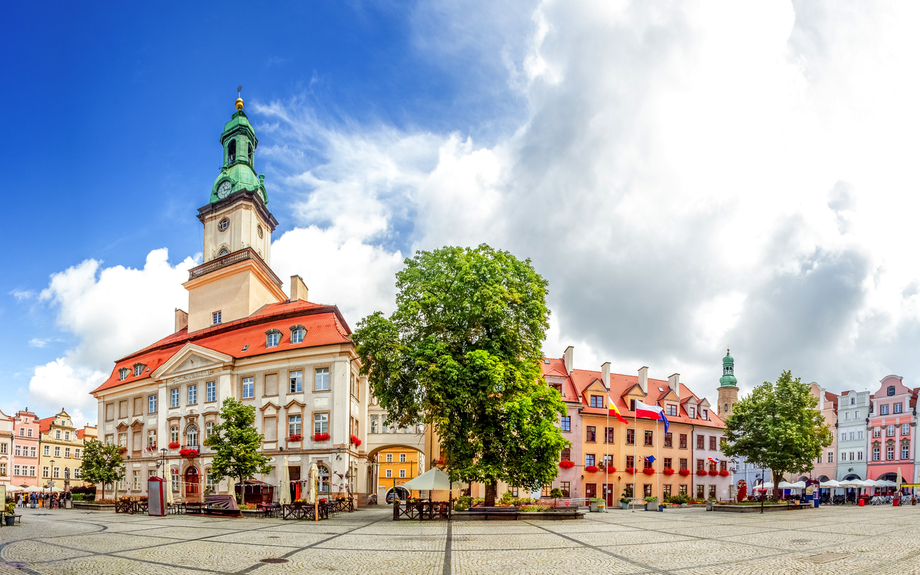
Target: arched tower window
(250, 154)
(231, 152)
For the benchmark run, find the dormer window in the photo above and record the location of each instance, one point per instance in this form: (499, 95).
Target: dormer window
(231, 152)
(123, 373)
(139, 368)
(692, 412)
(272, 338)
(890, 390)
(704, 414)
(297, 333)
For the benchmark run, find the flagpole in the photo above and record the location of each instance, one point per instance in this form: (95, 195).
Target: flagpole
(607, 455)
(635, 442)
(657, 453)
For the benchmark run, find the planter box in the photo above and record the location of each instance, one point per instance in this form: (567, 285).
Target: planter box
(756, 508)
(252, 513)
(475, 513)
(88, 506)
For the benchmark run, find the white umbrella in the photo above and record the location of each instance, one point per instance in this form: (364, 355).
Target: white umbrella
(786, 485)
(33, 489)
(285, 496)
(314, 484)
(432, 480)
(169, 493)
(762, 486)
(851, 483)
(829, 484)
(797, 485)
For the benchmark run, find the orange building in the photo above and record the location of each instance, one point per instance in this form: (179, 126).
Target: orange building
(396, 466)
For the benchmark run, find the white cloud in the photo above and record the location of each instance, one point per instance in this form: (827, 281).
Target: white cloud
(40, 342)
(21, 295)
(57, 385)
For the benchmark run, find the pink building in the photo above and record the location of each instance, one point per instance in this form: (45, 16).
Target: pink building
(25, 448)
(825, 467)
(891, 430)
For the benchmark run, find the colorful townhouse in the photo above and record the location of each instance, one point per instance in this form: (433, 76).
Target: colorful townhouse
(61, 450)
(892, 423)
(852, 437)
(639, 458)
(824, 468)
(6, 449)
(25, 449)
(396, 466)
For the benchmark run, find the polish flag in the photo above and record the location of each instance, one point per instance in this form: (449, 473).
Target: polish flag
(651, 412)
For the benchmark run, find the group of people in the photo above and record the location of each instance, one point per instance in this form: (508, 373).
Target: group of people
(44, 500)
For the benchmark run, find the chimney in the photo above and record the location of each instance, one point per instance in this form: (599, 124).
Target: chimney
(643, 379)
(605, 375)
(181, 320)
(299, 289)
(567, 359)
(674, 384)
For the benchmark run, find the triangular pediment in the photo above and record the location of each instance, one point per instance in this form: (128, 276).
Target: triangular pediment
(670, 396)
(191, 360)
(635, 392)
(596, 386)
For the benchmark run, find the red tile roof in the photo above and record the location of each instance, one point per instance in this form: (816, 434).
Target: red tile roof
(324, 324)
(44, 425)
(80, 433)
(556, 368)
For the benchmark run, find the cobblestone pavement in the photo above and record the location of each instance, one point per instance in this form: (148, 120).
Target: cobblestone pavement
(845, 540)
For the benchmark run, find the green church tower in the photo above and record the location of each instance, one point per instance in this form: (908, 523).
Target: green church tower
(238, 171)
(728, 386)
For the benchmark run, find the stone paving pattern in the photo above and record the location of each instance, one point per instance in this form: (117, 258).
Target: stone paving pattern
(831, 540)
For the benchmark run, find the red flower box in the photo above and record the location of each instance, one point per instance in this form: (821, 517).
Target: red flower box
(320, 437)
(724, 473)
(174, 445)
(611, 469)
(295, 437)
(684, 472)
(631, 470)
(668, 471)
(591, 468)
(566, 464)
(713, 472)
(440, 461)
(702, 472)
(189, 453)
(354, 439)
(649, 471)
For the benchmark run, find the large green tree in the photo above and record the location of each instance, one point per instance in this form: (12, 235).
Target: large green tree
(778, 428)
(102, 463)
(236, 443)
(462, 353)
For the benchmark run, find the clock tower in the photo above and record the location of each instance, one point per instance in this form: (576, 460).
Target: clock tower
(235, 278)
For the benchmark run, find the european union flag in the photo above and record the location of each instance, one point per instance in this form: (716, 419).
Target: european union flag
(650, 459)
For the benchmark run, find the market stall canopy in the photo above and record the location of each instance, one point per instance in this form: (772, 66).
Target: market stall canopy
(767, 485)
(797, 485)
(830, 484)
(851, 483)
(432, 480)
(786, 485)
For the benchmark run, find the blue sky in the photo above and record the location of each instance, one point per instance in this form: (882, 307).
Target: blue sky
(688, 177)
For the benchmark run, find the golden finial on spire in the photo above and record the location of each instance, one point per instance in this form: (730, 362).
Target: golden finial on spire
(239, 99)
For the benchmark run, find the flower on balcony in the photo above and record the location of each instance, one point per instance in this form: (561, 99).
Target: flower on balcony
(320, 437)
(611, 469)
(668, 471)
(174, 445)
(649, 471)
(295, 437)
(591, 468)
(713, 472)
(684, 472)
(566, 464)
(189, 453)
(724, 473)
(702, 472)
(355, 441)
(630, 470)
(122, 450)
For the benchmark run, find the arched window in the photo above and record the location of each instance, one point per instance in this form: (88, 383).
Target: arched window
(297, 333)
(323, 479)
(231, 152)
(191, 436)
(272, 338)
(222, 253)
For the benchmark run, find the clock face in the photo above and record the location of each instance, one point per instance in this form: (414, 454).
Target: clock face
(224, 190)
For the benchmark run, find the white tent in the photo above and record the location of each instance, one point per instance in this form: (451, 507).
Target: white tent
(762, 486)
(797, 485)
(432, 480)
(786, 485)
(833, 483)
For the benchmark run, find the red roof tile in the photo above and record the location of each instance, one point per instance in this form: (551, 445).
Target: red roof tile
(556, 368)
(44, 425)
(324, 324)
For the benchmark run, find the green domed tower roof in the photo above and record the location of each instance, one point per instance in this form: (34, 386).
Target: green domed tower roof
(728, 378)
(238, 171)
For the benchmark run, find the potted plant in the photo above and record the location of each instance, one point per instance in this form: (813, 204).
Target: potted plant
(174, 445)
(355, 441)
(590, 469)
(668, 471)
(684, 472)
(10, 513)
(651, 503)
(595, 503)
(566, 464)
(295, 437)
(320, 437)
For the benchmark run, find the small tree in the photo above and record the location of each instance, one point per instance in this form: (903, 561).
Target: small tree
(777, 427)
(102, 463)
(462, 353)
(555, 493)
(236, 443)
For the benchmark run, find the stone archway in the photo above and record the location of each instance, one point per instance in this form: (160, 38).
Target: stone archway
(390, 466)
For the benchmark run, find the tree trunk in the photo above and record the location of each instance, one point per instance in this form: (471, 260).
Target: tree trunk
(491, 488)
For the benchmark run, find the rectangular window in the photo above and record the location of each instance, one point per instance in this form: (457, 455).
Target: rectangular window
(857, 415)
(875, 454)
(683, 489)
(668, 439)
(672, 410)
(322, 379)
(296, 382)
(692, 412)
(174, 397)
(215, 318)
(320, 423)
(136, 480)
(667, 489)
(905, 451)
(17, 449)
(683, 463)
(402, 457)
(890, 431)
(608, 461)
(700, 465)
(723, 466)
(859, 435)
(852, 436)
(632, 405)
(597, 401)
(152, 438)
(57, 451)
(700, 491)
(608, 435)
(152, 404)
(683, 441)
(389, 473)
(712, 442)
(647, 490)
(210, 390)
(566, 423)
(847, 415)
(122, 409)
(294, 425)
(630, 437)
(630, 461)
(271, 384)
(818, 461)
(56, 472)
(883, 409)
(192, 394)
(889, 453)
(46, 472)
(47, 451)
(249, 388)
(591, 434)
(647, 463)
(589, 459)
(15, 469)
(712, 491)
(649, 440)
(859, 455)
(566, 454)
(66, 452)
(174, 434)
(843, 456)
(704, 414)
(565, 487)
(898, 407)
(700, 442)
(876, 432)
(402, 473)
(667, 463)
(905, 429)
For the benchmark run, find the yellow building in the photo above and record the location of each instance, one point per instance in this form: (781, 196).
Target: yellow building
(395, 466)
(61, 451)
